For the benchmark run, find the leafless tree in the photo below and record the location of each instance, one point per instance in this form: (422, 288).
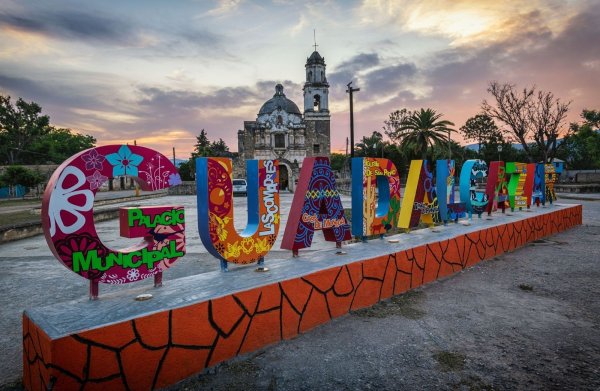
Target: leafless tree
(529, 115)
(546, 115)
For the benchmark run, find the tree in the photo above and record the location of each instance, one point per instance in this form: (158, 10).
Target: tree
(203, 148)
(529, 115)
(57, 145)
(372, 146)
(338, 160)
(219, 149)
(422, 129)
(392, 124)
(591, 117)
(482, 129)
(581, 146)
(20, 125)
(18, 175)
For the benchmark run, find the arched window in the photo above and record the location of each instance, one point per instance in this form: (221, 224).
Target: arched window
(279, 140)
(310, 75)
(317, 103)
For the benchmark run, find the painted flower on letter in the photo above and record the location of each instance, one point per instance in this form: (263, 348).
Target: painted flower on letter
(93, 160)
(60, 202)
(96, 180)
(133, 274)
(124, 161)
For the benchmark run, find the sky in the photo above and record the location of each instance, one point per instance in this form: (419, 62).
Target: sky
(158, 72)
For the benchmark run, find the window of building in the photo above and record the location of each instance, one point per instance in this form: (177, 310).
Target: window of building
(279, 140)
(316, 148)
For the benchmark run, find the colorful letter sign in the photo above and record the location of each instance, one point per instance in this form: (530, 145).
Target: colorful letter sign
(551, 175)
(420, 199)
(517, 173)
(445, 186)
(215, 209)
(68, 216)
(475, 201)
(316, 206)
(538, 196)
(375, 196)
(496, 188)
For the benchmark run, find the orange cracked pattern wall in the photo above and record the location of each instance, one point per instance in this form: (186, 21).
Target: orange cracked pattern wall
(161, 349)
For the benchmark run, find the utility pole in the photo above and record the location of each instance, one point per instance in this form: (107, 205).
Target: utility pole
(346, 146)
(449, 146)
(174, 157)
(351, 90)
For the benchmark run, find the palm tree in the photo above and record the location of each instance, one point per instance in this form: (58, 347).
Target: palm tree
(371, 146)
(422, 129)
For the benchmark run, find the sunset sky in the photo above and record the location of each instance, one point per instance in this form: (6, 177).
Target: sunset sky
(158, 72)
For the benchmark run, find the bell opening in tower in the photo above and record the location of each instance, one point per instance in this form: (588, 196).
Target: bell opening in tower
(317, 103)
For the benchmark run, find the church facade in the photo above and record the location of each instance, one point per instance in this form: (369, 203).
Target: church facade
(281, 131)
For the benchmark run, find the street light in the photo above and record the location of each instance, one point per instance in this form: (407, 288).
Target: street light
(499, 150)
(350, 90)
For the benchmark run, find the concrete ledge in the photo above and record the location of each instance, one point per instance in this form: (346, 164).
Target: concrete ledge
(198, 321)
(577, 188)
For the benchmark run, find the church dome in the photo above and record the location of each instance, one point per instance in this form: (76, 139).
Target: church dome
(315, 58)
(279, 102)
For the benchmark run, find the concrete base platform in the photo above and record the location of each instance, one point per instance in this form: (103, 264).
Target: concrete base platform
(199, 321)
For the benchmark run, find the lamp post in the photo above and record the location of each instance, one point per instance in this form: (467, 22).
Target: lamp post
(499, 150)
(351, 90)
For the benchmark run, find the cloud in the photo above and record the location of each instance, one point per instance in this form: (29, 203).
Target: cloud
(48, 93)
(224, 7)
(464, 21)
(454, 81)
(351, 70)
(84, 26)
(389, 79)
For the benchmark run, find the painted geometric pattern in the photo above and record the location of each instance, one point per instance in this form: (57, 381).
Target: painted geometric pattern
(161, 349)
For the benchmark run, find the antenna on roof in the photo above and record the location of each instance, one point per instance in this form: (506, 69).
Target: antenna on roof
(315, 39)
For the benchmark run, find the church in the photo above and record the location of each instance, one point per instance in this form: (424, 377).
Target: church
(281, 131)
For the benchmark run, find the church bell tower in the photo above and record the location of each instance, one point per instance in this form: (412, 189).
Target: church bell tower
(316, 107)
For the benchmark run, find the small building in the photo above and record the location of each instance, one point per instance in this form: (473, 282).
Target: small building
(281, 131)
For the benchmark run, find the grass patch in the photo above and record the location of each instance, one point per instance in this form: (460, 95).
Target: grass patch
(19, 202)
(450, 361)
(245, 367)
(473, 383)
(402, 305)
(525, 287)
(20, 217)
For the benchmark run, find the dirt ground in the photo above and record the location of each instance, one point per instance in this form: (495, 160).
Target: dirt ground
(529, 319)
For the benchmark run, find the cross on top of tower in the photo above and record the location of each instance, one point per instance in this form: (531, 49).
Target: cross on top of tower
(315, 39)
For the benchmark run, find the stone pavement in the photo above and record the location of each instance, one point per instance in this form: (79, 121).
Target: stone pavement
(479, 329)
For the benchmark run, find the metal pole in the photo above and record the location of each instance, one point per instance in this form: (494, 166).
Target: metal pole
(449, 146)
(346, 146)
(351, 90)
(174, 157)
